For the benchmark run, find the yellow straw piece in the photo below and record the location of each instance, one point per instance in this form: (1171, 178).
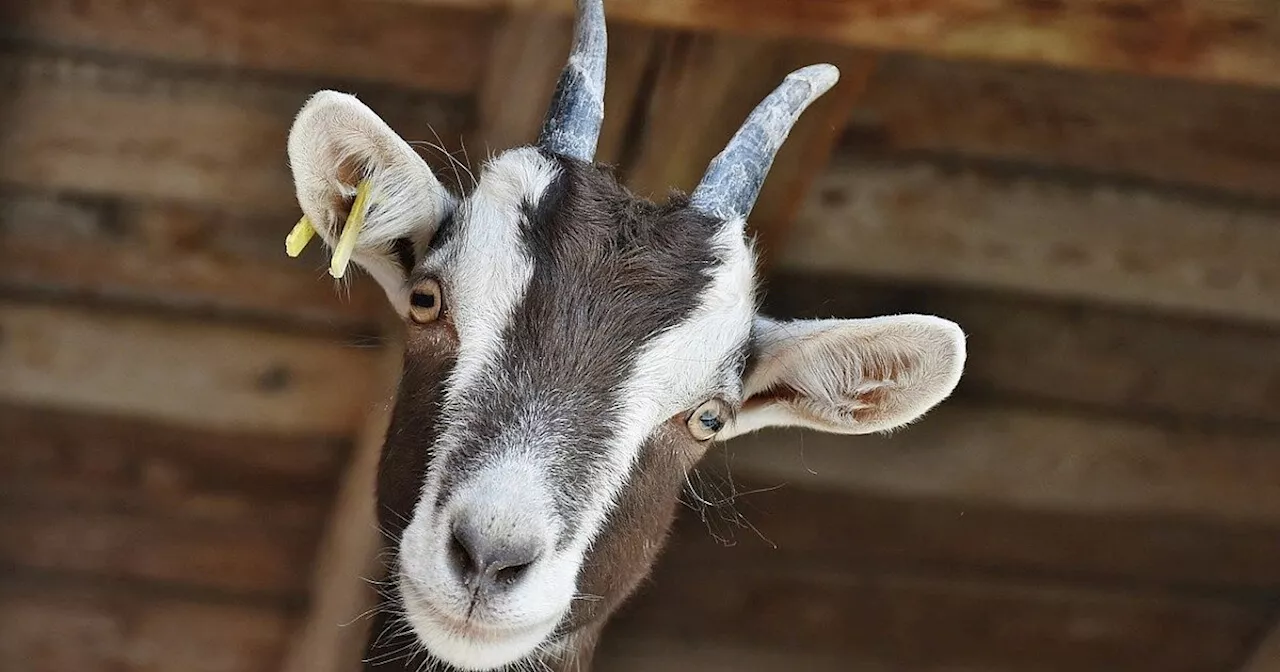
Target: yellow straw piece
(350, 231)
(298, 238)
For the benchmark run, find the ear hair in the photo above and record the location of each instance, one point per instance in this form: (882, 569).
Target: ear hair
(849, 376)
(335, 143)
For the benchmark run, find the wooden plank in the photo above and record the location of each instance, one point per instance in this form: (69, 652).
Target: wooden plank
(795, 524)
(53, 626)
(529, 51)
(1041, 461)
(72, 461)
(147, 133)
(438, 49)
(1197, 39)
(184, 371)
(622, 652)
(937, 223)
(705, 87)
(332, 636)
(175, 256)
(916, 622)
(1092, 357)
(1204, 136)
(242, 557)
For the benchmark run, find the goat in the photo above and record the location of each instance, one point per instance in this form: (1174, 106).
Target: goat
(572, 350)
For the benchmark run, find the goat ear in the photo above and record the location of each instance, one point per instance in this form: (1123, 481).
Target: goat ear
(848, 376)
(339, 149)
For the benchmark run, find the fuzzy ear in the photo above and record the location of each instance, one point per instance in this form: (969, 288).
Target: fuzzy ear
(364, 191)
(848, 376)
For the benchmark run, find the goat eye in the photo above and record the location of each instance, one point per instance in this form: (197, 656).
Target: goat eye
(425, 301)
(708, 419)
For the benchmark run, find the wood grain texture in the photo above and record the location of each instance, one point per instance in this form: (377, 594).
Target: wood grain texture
(920, 622)
(1196, 39)
(330, 637)
(795, 524)
(174, 256)
(437, 49)
(48, 626)
(1092, 357)
(1097, 242)
(76, 461)
(1122, 127)
(153, 133)
(529, 51)
(243, 558)
(188, 372)
(1039, 460)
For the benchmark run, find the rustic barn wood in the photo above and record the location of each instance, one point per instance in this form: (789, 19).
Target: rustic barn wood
(795, 524)
(150, 132)
(241, 557)
(1126, 128)
(931, 623)
(77, 461)
(438, 49)
(172, 255)
(1197, 39)
(332, 634)
(968, 226)
(1090, 357)
(49, 626)
(190, 372)
(1041, 460)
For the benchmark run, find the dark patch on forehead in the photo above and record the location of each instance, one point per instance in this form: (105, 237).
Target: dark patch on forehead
(610, 272)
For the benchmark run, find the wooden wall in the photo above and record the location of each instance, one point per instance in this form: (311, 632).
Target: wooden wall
(1091, 188)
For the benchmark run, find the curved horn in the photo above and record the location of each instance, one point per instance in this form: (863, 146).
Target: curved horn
(733, 180)
(576, 113)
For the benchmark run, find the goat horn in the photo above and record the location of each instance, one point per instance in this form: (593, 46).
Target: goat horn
(576, 113)
(733, 179)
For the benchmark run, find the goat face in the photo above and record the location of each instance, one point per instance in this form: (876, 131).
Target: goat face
(572, 350)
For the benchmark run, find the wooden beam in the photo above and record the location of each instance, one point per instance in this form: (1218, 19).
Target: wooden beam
(151, 133)
(981, 228)
(189, 372)
(243, 558)
(72, 461)
(439, 49)
(1133, 128)
(929, 623)
(529, 50)
(1200, 39)
(175, 256)
(795, 524)
(1039, 461)
(705, 87)
(62, 625)
(332, 635)
(1094, 358)
(623, 652)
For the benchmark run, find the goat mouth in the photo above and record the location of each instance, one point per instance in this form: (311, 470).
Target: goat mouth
(469, 628)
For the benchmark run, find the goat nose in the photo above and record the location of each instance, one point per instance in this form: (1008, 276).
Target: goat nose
(491, 562)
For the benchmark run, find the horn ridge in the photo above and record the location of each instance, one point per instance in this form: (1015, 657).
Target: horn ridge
(733, 180)
(576, 113)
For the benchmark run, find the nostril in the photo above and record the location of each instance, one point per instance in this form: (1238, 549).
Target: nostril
(462, 557)
(509, 575)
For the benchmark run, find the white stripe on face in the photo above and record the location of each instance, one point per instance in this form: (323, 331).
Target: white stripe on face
(679, 369)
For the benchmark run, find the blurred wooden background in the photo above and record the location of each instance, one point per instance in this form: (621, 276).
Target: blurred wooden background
(1090, 187)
